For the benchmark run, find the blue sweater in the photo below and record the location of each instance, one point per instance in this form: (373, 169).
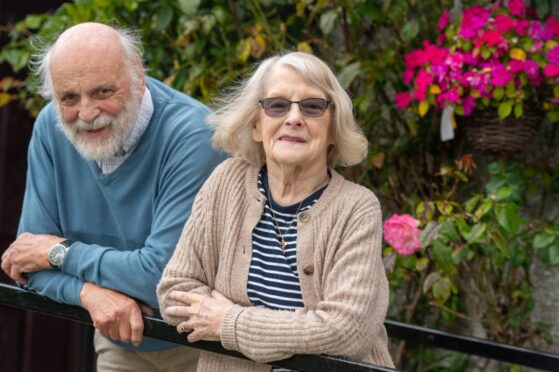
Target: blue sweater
(125, 224)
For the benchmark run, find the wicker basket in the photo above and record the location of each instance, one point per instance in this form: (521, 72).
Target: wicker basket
(490, 135)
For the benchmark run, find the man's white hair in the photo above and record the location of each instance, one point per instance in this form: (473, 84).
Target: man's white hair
(129, 39)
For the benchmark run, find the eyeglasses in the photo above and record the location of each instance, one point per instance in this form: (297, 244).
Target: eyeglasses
(311, 107)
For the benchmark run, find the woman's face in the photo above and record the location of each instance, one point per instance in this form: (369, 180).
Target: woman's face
(293, 139)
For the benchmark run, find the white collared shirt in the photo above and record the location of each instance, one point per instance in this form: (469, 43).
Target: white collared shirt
(144, 116)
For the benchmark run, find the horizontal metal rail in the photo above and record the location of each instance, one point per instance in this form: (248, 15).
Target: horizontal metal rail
(157, 328)
(473, 345)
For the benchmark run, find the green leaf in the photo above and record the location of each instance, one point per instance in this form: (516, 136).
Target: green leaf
(429, 233)
(449, 232)
(442, 256)
(543, 239)
(189, 7)
(348, 74)
(375, 12)
(410, 30)
(503, 193)
(430, 280)
(442, 289)
(550, 254)
(508, 217)
(327, 21)
(164, 18)
(505, 109)
(498, 93)
(475, 234)
(486, 52)
(518, 110)
(471, 204)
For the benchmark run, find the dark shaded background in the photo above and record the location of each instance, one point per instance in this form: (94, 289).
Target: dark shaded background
(29, 342)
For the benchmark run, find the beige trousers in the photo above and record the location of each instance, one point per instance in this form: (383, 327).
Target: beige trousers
(111, 357)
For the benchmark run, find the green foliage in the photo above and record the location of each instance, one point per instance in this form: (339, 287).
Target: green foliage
(476, 244)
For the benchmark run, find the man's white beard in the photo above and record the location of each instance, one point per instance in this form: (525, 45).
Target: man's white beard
(105, 148)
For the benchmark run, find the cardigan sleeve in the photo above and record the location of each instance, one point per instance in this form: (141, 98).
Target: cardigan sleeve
(347, 321)
(186, 271)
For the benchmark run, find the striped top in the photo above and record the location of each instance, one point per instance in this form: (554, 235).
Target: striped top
(273, 281)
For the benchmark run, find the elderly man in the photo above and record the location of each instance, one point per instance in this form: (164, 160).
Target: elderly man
(115, 161)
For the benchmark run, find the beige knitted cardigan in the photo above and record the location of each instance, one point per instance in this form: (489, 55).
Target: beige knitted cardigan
(342, 278)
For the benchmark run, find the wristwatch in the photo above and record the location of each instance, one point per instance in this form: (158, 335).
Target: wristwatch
(57, 253)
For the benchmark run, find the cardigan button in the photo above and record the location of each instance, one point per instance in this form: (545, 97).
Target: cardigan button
(304, 217)
(308, 269)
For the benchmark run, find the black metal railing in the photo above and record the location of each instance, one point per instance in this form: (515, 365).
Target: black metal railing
(157, 328)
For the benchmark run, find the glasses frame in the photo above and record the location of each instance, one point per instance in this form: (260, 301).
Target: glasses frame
(263, 101)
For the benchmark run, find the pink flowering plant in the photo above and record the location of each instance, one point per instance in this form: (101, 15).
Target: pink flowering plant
(402, 233)
(498, 56)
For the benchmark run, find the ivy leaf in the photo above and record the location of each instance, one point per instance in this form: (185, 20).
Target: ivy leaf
(430, 280)
(543, 239)
(189, 7)
(164, 18)
(442, 289)
(410, 30)
(327, 21)
(505, 109)
(348, 74)
(475, 234)
(508, 217)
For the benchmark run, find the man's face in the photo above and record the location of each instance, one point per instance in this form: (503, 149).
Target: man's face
(97, 105)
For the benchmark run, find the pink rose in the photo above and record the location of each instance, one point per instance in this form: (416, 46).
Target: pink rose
(401, 232)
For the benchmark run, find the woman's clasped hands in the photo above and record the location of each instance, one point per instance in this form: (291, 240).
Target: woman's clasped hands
(204, 314)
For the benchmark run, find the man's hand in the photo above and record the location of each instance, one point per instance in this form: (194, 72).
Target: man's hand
(28, 253)
(114, 314)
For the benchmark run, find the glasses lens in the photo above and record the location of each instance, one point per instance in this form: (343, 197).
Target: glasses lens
(313, 107)
(276, 106)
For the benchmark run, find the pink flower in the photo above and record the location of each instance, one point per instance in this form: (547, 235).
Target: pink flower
(516, 66)
(435, 55)
(450, 96)
(443, 21)
(553, 55)
(408, 75)
(551, 71)
(473, 19)
(401, 232)
(423, 79)
(469, 103)
(535, 30)
(521, 26)
(492, 38)
(531, 68)
(500, 76)
(416, 58)
(550, 29)
(503, 23)
(402, 99)
(516, 7)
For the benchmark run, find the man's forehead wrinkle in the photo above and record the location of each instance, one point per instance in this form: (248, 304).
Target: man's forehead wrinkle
(86, 40)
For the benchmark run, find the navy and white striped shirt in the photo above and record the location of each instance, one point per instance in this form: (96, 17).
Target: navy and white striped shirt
(273, 281)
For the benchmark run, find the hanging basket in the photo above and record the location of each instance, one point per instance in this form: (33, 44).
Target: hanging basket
(490, 135)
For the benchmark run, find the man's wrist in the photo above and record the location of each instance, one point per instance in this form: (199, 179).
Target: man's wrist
(58, 252)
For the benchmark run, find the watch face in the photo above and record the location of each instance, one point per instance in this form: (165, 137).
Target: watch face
(56, 255)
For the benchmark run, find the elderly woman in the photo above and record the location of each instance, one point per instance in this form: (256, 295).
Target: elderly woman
(281, 254)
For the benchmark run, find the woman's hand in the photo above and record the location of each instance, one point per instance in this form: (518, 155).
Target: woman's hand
(204, 313)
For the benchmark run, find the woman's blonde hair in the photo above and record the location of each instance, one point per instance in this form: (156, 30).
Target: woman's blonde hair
(237, 113)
